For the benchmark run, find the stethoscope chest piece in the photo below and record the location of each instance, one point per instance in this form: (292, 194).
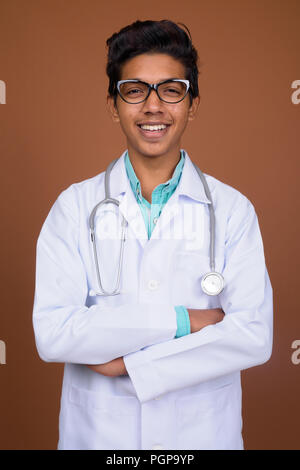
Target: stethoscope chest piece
(212, 283)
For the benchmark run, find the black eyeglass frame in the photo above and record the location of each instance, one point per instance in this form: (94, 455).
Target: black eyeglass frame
(154, 86)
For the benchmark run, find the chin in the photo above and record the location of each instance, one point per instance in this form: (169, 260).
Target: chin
(153, 149)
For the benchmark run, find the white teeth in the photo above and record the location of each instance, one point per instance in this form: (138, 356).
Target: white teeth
(153, 128)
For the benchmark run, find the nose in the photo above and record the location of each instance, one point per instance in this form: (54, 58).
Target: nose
(153, 103)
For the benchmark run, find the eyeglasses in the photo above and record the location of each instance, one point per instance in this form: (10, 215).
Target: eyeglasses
(169, 91)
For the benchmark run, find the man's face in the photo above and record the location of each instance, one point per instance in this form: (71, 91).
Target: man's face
(153, 68)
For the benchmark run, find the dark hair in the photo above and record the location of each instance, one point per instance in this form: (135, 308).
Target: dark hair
(142, 37)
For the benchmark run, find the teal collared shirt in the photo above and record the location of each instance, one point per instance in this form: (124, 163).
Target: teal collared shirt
(151, 212)
(160, 195)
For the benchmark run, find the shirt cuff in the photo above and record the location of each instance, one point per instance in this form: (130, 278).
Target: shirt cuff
(183, 321)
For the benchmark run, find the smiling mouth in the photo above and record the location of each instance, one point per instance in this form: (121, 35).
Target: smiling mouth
(151, 131)
(153, 127)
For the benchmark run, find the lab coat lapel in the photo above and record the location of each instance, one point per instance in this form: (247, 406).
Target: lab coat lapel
(164, 228)
(189, 187)
(190, 184)
(133, 214)
(129, 208)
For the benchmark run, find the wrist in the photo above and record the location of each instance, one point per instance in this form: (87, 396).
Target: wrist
(191, 319)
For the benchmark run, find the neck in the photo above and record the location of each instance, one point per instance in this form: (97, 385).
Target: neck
(153, 170)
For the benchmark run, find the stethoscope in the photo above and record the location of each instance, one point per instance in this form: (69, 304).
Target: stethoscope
(212, 283)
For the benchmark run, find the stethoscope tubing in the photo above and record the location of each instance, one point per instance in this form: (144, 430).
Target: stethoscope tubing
(107, 200)
(212, 219)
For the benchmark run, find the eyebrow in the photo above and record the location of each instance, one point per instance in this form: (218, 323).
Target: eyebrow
(162, 80)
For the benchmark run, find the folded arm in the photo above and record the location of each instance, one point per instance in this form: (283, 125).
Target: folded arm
(241, 340)
(198, 320)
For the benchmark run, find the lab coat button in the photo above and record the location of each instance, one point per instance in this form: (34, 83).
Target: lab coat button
(157, 447)
(153, 284)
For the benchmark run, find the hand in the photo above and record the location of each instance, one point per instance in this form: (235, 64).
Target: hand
(201, 318)
(112, 368)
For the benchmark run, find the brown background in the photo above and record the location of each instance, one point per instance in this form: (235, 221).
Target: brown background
(55, 130)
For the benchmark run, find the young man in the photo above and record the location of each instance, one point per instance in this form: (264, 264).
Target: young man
(156, 366)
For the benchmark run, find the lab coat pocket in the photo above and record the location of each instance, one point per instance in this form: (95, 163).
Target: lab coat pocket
(98, 420)
(210, 420)
(187, 271)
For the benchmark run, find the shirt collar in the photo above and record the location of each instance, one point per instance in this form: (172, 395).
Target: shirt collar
(168, 185)
(189, 184)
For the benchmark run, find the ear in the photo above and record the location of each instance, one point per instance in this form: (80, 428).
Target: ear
(112, 109)
(193, 108)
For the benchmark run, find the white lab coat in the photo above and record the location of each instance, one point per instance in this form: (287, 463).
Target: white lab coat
(182, 393)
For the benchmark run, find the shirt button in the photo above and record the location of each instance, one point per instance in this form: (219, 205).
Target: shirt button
(153, 284)
(157, 447)
(157, 398)
(155, 220)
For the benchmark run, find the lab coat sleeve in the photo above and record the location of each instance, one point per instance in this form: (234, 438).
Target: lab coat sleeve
(241, 340)
(66, 330)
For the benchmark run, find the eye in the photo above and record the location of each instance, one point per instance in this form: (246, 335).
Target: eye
(171, 90)
(134, 91)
